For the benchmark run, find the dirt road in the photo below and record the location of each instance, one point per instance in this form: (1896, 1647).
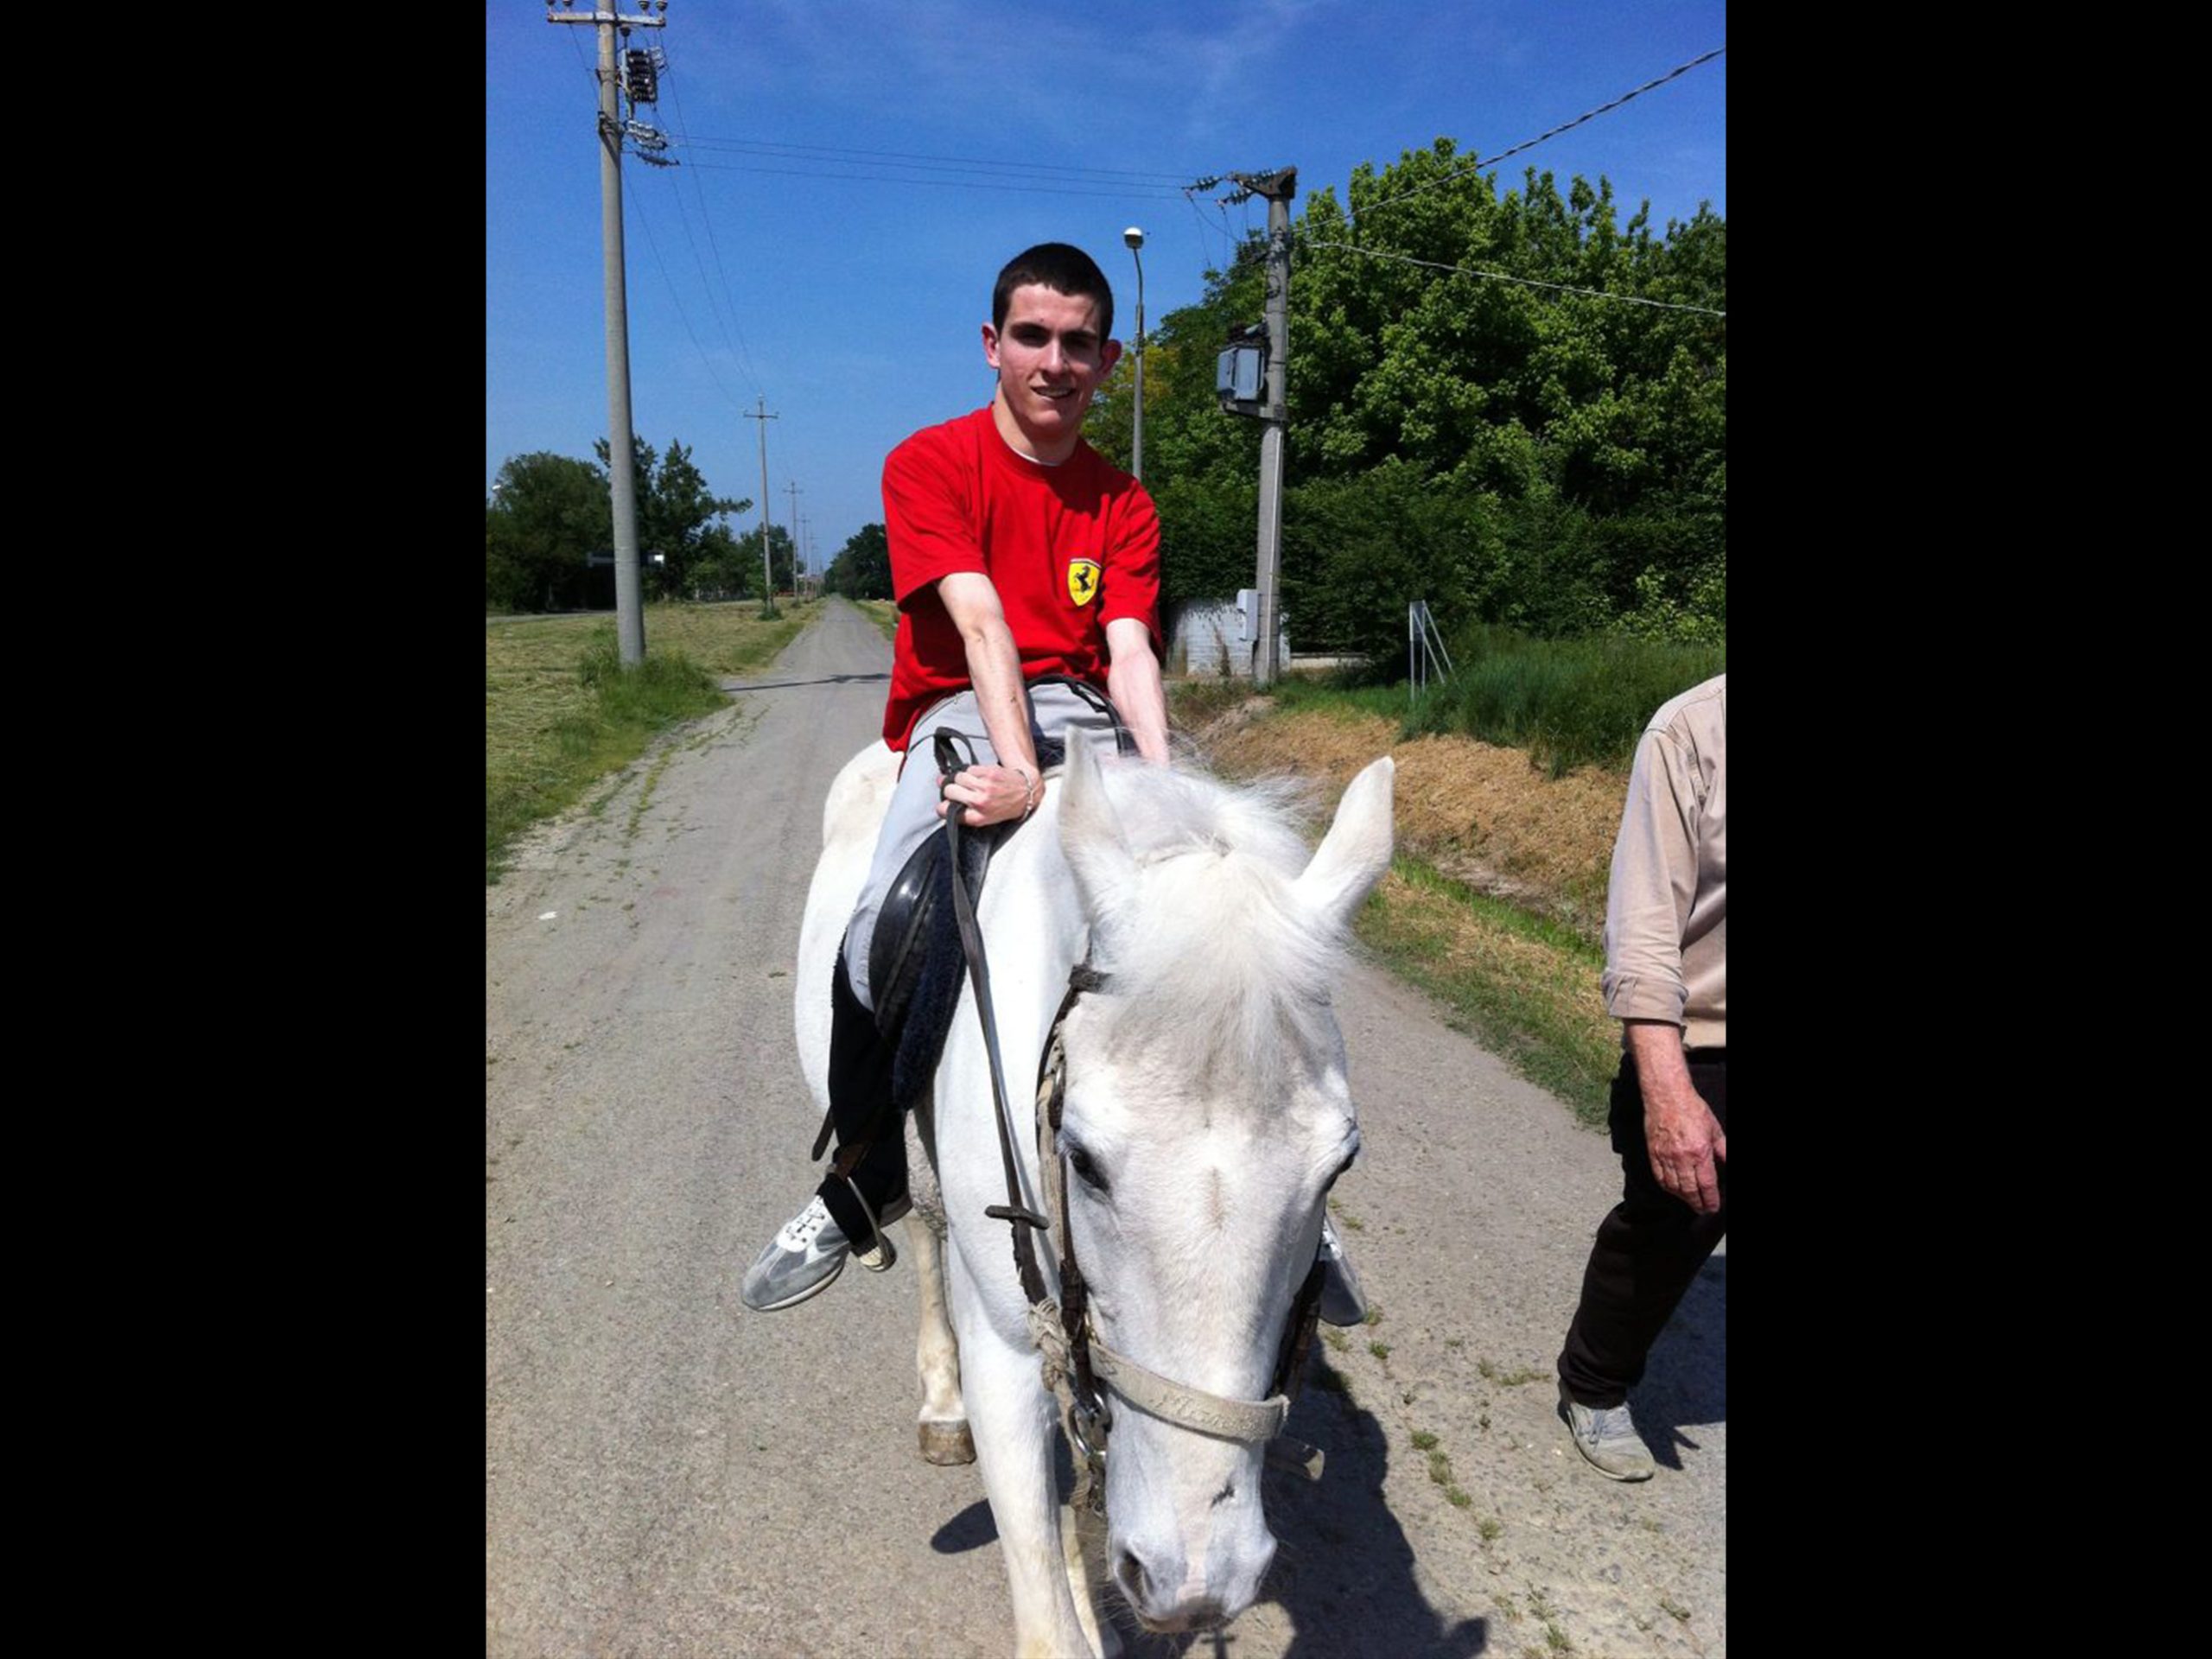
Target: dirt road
(669, 1474)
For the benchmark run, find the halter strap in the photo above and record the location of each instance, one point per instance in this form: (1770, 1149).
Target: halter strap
(1074, 1350)
(1171, 1401)
(1075, 1360)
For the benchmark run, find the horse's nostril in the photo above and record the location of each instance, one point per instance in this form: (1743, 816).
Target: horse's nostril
(1130, 1571)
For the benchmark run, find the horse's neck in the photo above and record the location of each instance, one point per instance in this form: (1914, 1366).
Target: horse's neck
(1033, 933)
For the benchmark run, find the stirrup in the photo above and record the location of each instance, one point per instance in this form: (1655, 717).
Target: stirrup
(882, 1255)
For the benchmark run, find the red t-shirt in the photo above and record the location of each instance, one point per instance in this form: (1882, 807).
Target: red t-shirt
(1068, 547)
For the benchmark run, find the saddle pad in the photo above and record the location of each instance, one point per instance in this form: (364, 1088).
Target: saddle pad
(915, 955)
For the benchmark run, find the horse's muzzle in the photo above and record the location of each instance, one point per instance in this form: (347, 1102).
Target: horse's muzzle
(1164, 1603)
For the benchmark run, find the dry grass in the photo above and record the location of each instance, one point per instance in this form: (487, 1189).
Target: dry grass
(1496, 903)
(531, 690)
(725, 639)
(1481, 813)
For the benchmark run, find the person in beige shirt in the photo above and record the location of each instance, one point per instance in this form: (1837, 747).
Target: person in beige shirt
(1666, 980)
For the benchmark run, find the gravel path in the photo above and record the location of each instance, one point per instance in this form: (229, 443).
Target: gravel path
(669, 1474)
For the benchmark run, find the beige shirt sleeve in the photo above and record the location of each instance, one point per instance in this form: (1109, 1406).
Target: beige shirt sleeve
(1666, 907)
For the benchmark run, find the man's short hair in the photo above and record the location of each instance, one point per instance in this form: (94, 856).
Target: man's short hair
(1063, 269)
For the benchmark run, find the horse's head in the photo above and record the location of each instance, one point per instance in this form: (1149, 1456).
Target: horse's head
(1205, 1117)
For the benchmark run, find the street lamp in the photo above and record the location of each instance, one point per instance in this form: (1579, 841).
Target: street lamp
(1134, 237)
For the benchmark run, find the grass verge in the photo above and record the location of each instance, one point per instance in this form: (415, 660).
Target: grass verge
(1517, 967)
(1566, 703)
(883, 613)
(1524, 988)
(1569, 702)
(559, 713)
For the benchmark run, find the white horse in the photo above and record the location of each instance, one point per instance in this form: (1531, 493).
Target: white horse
(1205, 1114)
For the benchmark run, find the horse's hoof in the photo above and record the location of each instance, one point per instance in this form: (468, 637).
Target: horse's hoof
(947, 1443)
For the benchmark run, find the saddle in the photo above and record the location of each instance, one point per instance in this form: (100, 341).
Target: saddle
(915, 964)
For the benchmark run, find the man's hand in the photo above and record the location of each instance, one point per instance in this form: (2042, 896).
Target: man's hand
(989, 794)
(1686, 1142)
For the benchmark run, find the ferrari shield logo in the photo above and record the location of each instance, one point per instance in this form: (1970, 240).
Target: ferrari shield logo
(1083, 581)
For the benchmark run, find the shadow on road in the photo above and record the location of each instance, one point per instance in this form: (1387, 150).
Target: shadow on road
(827, 679)
(1343, 1573)
(1686, 1379)
(971, 1529)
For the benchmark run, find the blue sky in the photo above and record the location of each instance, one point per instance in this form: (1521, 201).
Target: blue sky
(854, 172)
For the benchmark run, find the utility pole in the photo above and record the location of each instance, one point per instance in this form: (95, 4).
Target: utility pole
(1277, 188)
(621, 459)
(795, 552)
(767, 571)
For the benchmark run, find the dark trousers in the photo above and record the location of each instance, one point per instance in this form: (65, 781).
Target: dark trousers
(1648, 1251)
(860, 1107)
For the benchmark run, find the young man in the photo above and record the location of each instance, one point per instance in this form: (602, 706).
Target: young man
(1016, 552)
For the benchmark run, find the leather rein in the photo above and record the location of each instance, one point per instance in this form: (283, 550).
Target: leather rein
(1080, 1368)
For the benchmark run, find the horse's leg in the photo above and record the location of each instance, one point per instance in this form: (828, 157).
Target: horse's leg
(1014, 1422)
(944, 1424)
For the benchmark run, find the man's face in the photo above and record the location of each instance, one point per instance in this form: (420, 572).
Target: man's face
(1050, 359)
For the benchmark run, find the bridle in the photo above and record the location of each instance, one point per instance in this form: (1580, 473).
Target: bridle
(1080, 1368)
(1075, 1360)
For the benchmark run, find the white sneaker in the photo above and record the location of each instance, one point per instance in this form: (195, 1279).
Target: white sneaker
(808, 1253)
(1607, 1437)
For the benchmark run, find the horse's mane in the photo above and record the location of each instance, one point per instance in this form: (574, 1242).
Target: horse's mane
(1218, 971)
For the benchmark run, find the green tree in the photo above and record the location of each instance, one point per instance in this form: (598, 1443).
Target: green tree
(720, 568)
(676, 511)
(547, 515)
(1482, 436)
(780, 563)
(863, 567)
(1357, 551)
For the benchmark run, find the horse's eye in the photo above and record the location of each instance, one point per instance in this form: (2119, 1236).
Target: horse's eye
(1086, 1169)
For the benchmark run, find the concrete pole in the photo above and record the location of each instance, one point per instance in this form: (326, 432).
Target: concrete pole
(793, 488)
(767, 571)
(1278, 188)
(621, 462)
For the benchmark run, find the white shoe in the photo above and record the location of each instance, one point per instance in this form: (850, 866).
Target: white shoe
(808, 1253)
(1607, 1437)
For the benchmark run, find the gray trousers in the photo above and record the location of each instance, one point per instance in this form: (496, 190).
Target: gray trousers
(1054, 711)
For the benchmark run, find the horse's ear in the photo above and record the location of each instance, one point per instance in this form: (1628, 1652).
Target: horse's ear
(1090, 834)
(1356, 852)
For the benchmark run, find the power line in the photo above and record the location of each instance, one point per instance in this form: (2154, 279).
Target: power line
(1493, 160)
(683, 316)
(1131, 193)
(698, 191)
(782, 150)
(1191, 195)
(1500, 276)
